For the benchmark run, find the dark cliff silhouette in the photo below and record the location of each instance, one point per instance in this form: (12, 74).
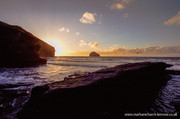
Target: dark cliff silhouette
(19, 48)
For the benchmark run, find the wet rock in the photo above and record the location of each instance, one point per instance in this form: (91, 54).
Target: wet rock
(11, 100)
(4, 86)
(19, 48)
(173, 72)
(107, 93)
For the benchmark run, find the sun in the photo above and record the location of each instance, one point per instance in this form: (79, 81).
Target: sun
(57, 45)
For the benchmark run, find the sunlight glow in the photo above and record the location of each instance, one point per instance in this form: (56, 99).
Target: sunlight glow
(57, 45)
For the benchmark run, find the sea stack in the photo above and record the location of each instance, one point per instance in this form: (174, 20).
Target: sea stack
(94, 54)
(19, 48)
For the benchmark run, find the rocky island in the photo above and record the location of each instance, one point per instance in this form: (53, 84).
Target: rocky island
(104, 94)
(19, 48)
(94, 54)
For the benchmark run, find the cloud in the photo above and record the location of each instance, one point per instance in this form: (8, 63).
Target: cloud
(117, 6)
(88, 18)
(116, 50)
(90, 44)
(77, 33)
(120, 5)
(100, 19)
(62, 29)
(113, 47)
(67, 30)
(174, 20)
(126, 1)
(126, 15)
(163, 49)
(82, 43)
(93, 45)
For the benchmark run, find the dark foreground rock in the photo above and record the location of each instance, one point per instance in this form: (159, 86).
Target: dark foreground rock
(11, 100)
(104, 94)
(94, 54)
(19, 48)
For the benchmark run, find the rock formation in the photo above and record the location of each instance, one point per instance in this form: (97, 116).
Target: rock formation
(19, 48)
(94, 54)
(104, 94)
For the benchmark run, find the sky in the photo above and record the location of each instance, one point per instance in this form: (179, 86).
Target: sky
(109, 27)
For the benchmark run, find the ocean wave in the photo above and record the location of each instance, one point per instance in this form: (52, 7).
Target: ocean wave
(79, 65)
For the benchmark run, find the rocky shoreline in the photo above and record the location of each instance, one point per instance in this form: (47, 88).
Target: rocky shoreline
(106, 93)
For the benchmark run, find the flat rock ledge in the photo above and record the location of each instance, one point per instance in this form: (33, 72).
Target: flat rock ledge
(104, 94)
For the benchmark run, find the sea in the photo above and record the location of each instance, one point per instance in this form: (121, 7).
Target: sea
(57, 68)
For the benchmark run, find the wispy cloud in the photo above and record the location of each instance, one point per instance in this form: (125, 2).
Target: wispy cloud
(163, 49)
(82, 43)
(93, 45)
(67, 30)
(100, 19)
(77, 33)
(148, 51)
(62, 29)
(126, 15)
(174, 20)
(117, 50)
(117, 6)
(90, 44)
(88, 18)
(120, 5)
(126, 1)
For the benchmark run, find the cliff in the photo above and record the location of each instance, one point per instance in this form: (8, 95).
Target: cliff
(19, 48)
(104, 94)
